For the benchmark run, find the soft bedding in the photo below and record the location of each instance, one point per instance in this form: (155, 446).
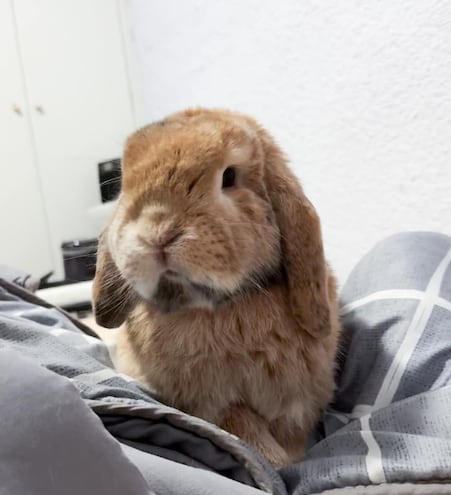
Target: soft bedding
(36, 337)
(391, 420)
(70, 424)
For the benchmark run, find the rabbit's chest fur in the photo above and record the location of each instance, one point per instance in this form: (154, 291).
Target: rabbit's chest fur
(244, 352)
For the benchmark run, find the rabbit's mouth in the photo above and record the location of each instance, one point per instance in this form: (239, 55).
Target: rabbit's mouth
(174, 292)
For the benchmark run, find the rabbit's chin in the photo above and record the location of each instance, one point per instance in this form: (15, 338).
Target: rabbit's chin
(178, 293)
(174, 295)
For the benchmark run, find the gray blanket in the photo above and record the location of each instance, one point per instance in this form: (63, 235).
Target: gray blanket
(49, 338)
(388, 430)
(391, 420)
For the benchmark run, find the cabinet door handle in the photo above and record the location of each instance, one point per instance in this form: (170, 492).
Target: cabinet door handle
(39, 109)
(16, 109)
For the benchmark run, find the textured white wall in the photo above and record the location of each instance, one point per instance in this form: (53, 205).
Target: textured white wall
(357, 92)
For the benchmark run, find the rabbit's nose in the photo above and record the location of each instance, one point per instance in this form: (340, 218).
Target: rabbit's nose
(167, 238)
(164, 241)
(160, 244)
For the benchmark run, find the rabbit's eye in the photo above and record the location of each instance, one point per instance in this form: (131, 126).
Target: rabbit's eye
(228, 177)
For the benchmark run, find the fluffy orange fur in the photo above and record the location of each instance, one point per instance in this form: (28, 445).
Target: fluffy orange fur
(259, 362)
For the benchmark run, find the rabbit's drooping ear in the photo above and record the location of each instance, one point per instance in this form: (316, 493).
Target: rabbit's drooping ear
(112, 298)
(301, 241)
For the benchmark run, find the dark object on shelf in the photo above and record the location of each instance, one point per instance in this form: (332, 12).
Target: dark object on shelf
(110, 179)
(44, 281)
(79, 258)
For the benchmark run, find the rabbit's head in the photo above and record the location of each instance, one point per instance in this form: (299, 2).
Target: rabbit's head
(208, 212)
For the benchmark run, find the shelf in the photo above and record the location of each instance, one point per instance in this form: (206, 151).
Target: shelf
(67, 295)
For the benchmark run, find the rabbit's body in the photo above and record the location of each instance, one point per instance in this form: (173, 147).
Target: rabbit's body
(206, 362)
(214, 260)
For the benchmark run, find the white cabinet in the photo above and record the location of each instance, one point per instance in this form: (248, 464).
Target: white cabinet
(69, 61)
(24, 233)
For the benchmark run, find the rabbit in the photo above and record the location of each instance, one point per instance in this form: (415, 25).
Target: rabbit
(213, 267)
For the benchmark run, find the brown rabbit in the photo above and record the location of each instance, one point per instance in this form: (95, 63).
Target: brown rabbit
(214, 261)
